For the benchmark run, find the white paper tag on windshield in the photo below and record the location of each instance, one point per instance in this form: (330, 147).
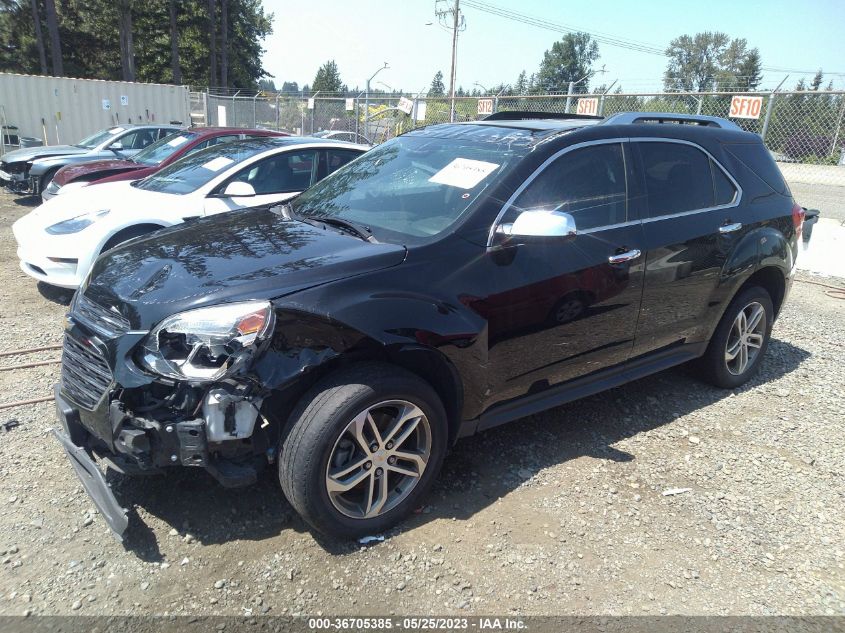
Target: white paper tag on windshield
(463, 173)
(116, 130)
(176, 142)
(218, 163)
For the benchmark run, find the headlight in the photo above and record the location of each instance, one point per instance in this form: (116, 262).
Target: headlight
(75, 225)
(71, 186)
(209, 343)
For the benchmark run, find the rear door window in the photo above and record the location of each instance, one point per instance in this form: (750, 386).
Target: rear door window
(282, 173)
(677, 177)
(337, 158)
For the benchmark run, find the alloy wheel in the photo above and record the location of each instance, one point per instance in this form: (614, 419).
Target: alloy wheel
(745, 338)
(378, 459)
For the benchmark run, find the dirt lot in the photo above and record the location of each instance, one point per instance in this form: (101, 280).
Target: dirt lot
(562, 513)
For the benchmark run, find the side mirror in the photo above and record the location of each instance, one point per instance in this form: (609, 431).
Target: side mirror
(238, 189)
(117, 146)
(542, 223)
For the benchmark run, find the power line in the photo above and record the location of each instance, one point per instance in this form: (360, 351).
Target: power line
(604, 38)
(563, 28)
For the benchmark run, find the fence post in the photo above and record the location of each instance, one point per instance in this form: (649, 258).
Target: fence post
(769, 108)
(569, 96)
(278, 114)
(838, 125)
(254, 99)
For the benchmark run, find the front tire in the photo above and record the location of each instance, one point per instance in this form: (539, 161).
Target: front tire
(740, 341)
(364, 448)
(44, 182)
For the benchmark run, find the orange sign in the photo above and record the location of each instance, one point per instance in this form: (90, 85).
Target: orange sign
(588, 106)
(746, 107)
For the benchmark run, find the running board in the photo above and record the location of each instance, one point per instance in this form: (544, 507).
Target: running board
(582, 387)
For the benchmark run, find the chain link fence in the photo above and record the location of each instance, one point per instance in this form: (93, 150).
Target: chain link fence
(804, 130)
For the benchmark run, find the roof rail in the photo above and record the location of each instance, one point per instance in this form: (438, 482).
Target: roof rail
(521, 115)
(628, 118)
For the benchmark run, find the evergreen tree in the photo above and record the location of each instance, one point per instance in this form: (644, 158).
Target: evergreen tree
(521, 85)
(327, 78)
(437, 88)
(570, 59)
(87, 42)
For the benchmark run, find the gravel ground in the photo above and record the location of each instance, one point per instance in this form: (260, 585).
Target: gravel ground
(563, 513)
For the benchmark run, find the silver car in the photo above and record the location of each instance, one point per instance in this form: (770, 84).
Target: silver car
(29, 170)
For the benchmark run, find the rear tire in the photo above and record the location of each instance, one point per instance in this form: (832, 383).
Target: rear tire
(740, 341)
(332, 443)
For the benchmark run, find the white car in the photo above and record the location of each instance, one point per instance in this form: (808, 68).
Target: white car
(60, 240)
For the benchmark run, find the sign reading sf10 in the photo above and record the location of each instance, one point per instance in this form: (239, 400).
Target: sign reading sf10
(746, 107)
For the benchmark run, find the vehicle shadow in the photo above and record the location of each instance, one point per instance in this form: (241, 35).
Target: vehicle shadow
(479, 470)
(55, 294)
(27, 201)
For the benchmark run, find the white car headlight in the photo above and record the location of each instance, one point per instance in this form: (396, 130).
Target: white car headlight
(71, 186)
(208, 343)
(76, 224)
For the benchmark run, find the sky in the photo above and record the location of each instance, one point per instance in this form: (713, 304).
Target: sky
(361, 35)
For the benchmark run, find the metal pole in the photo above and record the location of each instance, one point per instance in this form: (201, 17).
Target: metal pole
(254, 99)
(314, 109)
(367, 110)
(278, 113)
(601, 101)
(838, 125)
(367, 101)
(233, 111)
(769, 108)
(457, 14)
(569, 96)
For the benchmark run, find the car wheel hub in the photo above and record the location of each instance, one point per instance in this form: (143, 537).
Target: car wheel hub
(745, 338)
(378, 459)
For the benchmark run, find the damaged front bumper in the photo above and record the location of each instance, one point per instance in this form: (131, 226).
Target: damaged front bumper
(91, 477)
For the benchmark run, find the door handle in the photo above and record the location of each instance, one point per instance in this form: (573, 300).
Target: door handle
(730, 228)
(627, 256)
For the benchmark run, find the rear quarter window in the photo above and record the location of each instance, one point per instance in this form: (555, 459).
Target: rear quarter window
(757, 158)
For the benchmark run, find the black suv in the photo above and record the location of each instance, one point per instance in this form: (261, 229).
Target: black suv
(450, 280)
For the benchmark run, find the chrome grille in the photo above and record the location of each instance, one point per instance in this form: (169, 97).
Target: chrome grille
(104, 321)
(86, 375)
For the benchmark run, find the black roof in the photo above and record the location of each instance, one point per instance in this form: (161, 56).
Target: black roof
(529, 128)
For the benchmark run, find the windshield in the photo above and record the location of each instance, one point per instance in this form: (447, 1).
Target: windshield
(97, 138)
(191, 172)
(164, 148)
(410, 188)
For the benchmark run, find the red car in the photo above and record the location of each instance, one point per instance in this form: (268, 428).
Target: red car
(148, 161)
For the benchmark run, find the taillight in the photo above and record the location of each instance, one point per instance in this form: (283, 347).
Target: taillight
(797, 219)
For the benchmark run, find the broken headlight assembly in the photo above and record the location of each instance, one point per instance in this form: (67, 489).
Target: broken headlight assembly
(207, 344)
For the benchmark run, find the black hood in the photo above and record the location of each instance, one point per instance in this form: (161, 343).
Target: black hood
(239, 255)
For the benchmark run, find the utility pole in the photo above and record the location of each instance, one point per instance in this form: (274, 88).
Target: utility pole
(453, 13)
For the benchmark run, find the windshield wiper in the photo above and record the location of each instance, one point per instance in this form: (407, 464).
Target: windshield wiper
(358, 230)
